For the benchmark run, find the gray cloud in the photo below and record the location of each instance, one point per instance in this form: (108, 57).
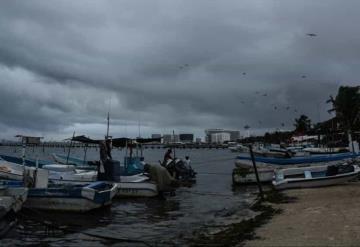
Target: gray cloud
(183, 65)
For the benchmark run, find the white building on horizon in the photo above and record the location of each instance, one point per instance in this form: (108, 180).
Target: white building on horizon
(220, 138)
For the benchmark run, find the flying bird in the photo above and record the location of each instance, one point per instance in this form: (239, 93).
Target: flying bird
(304, 76)
(244, 73)
(311, 34)
(264, 94)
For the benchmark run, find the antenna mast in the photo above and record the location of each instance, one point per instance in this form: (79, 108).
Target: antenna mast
(108, 125)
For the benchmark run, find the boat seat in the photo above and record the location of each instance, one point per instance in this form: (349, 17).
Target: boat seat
(307, 174)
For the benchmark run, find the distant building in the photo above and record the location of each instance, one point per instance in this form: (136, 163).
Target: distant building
(168, 138)
(156, 136)
(186, 138)
(234, 134)
(220, 138)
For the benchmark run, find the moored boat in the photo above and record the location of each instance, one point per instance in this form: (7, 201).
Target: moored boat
(137, 189)
(76, 198)
(315, 176)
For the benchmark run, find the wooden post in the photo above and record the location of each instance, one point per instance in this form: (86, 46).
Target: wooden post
(256, 173)
(174, 145)
(85, 150)
(67, 158)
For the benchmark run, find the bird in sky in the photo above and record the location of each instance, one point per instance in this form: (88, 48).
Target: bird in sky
(244, 73)
(311, 34)
(264, 94)
(304, 76)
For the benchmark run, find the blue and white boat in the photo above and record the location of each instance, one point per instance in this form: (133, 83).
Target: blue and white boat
(136, 185)
(76, 198)
(28, 162)
(298, 160)
(12, 196)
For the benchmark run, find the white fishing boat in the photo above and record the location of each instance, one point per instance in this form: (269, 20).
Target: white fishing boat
(12, 196)
(239, 148)
(75, 198)
(137, 189)
(315, 176)
(129, 186)
(137, 185)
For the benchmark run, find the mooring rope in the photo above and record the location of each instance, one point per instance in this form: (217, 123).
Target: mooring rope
(208, 193)
(207, 162)
(214, 173)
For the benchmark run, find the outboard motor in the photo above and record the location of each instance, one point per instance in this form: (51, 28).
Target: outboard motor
(332, 170)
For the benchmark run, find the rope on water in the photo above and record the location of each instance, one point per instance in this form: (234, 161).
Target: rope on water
(208, 193)
(214, 160)
(214, 173)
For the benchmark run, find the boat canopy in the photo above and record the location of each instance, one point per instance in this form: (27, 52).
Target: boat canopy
(117, 142)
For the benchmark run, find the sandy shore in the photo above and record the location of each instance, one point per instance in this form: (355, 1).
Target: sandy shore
(328, 216)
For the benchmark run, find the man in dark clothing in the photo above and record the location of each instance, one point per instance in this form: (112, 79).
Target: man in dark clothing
(167, 156)
(105, 169)
(108, 148)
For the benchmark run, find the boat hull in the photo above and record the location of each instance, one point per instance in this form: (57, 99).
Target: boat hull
(63, 204)
(137, 189)
(72, 198)
(311, 182)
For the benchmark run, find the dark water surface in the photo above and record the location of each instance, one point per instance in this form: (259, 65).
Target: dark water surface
(205, 207)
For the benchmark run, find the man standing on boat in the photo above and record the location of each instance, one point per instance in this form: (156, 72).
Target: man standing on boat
(167, 157)
(105, 169)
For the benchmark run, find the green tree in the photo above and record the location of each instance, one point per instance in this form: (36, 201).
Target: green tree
(302, 124)
(346, 105)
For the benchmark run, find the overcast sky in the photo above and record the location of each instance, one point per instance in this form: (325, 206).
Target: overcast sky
(171, 65)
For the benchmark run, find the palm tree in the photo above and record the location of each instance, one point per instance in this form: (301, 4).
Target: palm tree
(302, 124)
(346, 105)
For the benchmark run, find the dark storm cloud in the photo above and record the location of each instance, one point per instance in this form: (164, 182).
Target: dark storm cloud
(184, 65)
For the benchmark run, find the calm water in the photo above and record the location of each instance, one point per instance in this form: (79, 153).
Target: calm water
(206, 206)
